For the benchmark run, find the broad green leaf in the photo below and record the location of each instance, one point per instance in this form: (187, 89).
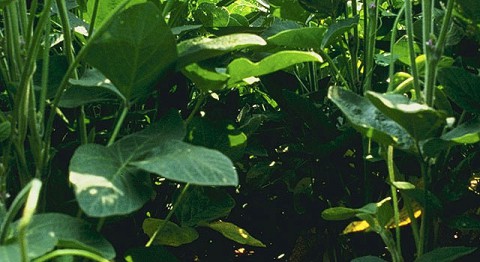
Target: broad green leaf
(5, 129)
(211, 15)
(219, 135)
(246, 7)
(202, 48)
(235, 233)
(104, 9)
(203, 204)
(242, 68)
(338, 29)
(10, 252)
(466, 133)
(171, 234)
(321, 8)
(137, 48)
(53, 229)
(401, 51)
(288, 10)
(446, 254)
(183, 162)
(419, 120)
(305, 38)
(462, 87)
(93, 87)
(339, 213)
(104, 179)
(57, 67)
(368, 120)
(368, 259)
(403, 185)
(238, 20)
(205, 79)
(385, 213)
(149, 254)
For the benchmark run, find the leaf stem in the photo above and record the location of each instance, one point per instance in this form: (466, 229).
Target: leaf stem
(118, 125)
(70, 252)
(411, 49)
(393, 40)
(169, 216)
(396, 212)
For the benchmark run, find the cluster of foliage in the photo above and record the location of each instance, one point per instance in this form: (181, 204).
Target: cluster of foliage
(152, 119)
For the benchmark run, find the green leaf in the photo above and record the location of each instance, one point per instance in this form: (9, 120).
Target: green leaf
(446, 254)
(137, 48)
(368, 259)
(338, 29)
(338, 213)
(5, 129)
(242, 68)
(466, 133)
(368, 120)
(402, 52)
(182, 162)
(104, 179)
(288, 10)
(211, 15)
(93, 87)
(419, 120)
(10, 252)
(304, 38)
(203, 204)
(149, 254)
(53, 229)
(57, 67)
(403, 185)
(235, 233)
(204, 78)
(171, 234)
(202, 48)
(104, 9)
(219, 135)
(462, 87)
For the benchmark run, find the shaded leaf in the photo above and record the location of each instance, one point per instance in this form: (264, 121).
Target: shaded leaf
(368, 259)
(182, 162)
(5, 129)
(92, 87)
(203, 204)
(368, 120)
(242, 68)
(149, 254)
(464, 222)
(211, 15)
(137, 48)
(205, 79)
(462, 87)
(10, 252)
(171, 234)
(338, 29)
(446, 254)
(466, 133)
(235, 233)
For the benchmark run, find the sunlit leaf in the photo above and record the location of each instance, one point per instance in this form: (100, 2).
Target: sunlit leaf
(171, 234)
(235, 233)
(337, 29)
(305, 38)
(339, 213)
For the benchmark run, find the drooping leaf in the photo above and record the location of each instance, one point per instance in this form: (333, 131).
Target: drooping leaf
(202, 48)
(337, 29)
(242, 68)
(171, 234)
(203, 204)
(205, 79)
(462, 87)
(466, 133)
(235, 233)
(419, 120)
(446, 254)
(183, 162)
(104, 179)
(93, 87)
(339, 213)
(304, 38)
(137, 48)
(368, 120)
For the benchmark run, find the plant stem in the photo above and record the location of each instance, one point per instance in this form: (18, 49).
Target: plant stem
(70, 252)
(334, 68)
(198, 104)
(413, 221)
(118, 125)
(391, 174)
(411, 49)
(393, 40)
(369, 59)
(391, 246)
(169, 216)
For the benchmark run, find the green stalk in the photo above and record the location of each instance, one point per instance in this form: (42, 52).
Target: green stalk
(393, 189)
(198, 104)
(428, 38)
(391, 246)
(29, 210)
(414, 225)
(169, 216)
(44, 83)
(94, 17)
(355, 49)
(70, 252)
(334, 68)
(411, 49)
(31, 18)
(393, 40)
(370, 44)
(118, 125)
